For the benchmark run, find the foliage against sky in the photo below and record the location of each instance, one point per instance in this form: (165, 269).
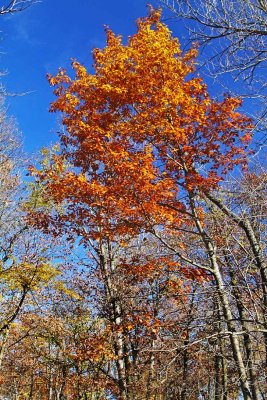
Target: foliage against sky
(166, 297)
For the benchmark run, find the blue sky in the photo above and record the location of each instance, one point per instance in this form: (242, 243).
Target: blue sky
(45, 37)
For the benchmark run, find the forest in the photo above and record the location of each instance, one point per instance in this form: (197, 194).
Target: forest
(133, 249)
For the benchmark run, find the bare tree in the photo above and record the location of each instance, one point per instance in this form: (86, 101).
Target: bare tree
(14, 6)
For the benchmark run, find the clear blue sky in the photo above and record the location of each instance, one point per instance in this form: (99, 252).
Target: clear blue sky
(45, 37)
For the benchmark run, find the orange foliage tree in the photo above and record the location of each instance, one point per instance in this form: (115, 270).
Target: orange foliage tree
(143, 141)
(137, 129)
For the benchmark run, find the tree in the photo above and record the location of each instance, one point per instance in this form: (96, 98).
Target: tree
(144, 147)
(25, 266)
(14, 6)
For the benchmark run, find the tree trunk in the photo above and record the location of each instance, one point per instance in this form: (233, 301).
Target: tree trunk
(151, 373)
(3, 345)
(211, 252)
(259, 259)
(247, 341)
(115, 315)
